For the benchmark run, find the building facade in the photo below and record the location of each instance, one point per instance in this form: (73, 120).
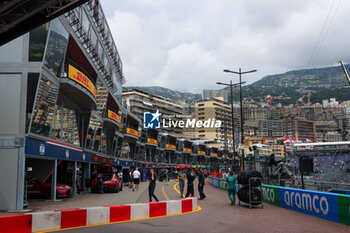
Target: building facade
(301, 130)
(139, 102)
(62, 83)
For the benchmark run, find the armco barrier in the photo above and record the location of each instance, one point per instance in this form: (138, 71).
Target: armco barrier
(61, 219)
(330, 206)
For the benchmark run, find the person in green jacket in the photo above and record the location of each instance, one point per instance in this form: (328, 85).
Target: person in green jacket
(231, 181)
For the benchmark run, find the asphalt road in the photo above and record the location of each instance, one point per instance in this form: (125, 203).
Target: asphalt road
(217, 215)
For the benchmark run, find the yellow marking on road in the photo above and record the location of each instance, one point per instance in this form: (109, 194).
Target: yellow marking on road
(164, 193)
(133, 220)
(178, 190)
(182, 194)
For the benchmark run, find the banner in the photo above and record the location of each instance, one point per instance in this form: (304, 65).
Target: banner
(170, 146)
(153, 141)
(187, 150)
(132, 132)
(214, 154)
(113, 115)
(77, 76)
(319, 204)
(201, 152)
(331, 206)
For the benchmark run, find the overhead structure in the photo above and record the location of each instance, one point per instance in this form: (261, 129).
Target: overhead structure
(18, 17)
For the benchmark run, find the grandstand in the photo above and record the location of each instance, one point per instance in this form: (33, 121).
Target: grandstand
(331, 162)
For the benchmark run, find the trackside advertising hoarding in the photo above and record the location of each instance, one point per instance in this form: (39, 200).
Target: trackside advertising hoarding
(330, 206)
(319, 204)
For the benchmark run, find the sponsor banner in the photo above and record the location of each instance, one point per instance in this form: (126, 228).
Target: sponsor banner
(344, 208)
(170, 146)
(79, 77)
(214, 154)
(271, 194)
(153, 141)
(113, 115)
(187, 150)
(56, 150)
(216, 183)
(319, 204)
(132, 132)
(201, 152)
(330, 206)
(222, 184)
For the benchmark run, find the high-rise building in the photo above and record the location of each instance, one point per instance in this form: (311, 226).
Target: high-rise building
(215, 108)
(139, 102)
(301, 130)
(271, 128)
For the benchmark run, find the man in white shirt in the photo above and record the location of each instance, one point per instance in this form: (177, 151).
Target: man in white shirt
(136, 175)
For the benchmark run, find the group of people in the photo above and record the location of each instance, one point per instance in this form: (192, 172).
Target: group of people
(134, 179)
(190, 176)
(182, 176)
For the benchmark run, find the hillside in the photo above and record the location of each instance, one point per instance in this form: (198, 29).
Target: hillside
(323, 83)
(168, 94)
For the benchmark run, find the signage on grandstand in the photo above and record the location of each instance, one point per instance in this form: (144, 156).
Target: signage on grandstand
(113, 115)
(80, 78)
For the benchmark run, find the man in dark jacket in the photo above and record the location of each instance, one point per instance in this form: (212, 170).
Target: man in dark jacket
(201, 183)
(190, 178)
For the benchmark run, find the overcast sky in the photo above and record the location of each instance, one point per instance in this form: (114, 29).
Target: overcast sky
(185, 44)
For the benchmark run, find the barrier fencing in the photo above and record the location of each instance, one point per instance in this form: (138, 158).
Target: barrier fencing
(330, 206)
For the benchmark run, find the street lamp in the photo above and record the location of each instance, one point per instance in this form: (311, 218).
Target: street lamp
(240, 98)
(232, 119)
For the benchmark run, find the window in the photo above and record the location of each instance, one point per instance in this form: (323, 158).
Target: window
(37, 42)
(33, 79)
(56, 47)
(44, 107)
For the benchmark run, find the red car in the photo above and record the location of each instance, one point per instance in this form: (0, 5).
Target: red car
(110, 183)
(37, 189)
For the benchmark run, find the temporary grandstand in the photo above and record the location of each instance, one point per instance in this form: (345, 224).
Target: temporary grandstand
(331, 162)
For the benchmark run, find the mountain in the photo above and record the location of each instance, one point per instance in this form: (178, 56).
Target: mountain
(167, 93)
(322, 83)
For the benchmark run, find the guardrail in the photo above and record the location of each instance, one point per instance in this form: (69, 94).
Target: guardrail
(331, 206)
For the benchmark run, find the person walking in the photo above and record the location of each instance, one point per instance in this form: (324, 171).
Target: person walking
(131, 178)
(181, 177)
(190, 178)
(152, 185)
(136, 177)
(231, 181)
(201, 183)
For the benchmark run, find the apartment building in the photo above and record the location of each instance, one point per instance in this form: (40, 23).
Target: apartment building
(271, 128)
(139, 102)
(215, 108)
(300, 129)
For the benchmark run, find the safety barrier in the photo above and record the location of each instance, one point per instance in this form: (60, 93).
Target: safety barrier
(331, 206)
(63, 219)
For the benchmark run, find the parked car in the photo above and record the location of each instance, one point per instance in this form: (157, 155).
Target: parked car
(35, 188)
(111, 182)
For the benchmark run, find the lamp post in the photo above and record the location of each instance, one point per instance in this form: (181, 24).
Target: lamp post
(232, 119)
(241, 101)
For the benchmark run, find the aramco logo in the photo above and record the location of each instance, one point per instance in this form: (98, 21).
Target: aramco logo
(306, 202)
